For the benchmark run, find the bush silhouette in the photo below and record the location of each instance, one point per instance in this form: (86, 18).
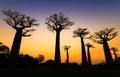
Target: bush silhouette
(26, 60)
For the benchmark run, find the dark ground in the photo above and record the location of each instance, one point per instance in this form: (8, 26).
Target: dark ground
(72, 71)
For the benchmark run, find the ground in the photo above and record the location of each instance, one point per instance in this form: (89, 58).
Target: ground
(48, 71)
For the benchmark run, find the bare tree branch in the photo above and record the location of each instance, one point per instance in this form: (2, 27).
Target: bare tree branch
(80, 32)
(58, 22)
(18, 20)
(106, 34)
(66, 47)
(26, 31)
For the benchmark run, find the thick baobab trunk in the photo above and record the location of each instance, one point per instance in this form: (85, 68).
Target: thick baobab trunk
(16, 43)
(107, 53)
(57, 48)
(67, 61)
(89, 57)
(84, 58)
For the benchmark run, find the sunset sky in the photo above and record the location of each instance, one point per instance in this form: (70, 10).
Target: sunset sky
(92, 14)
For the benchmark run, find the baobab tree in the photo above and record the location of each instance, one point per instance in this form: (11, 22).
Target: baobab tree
(82, 32)
(22, 24)
(88, 52)
(102, 37)
(66, 48)
(115, 54)
(57, 23)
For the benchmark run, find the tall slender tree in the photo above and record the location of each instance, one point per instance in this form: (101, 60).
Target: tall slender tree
(82, 32)
(102, 37)
(22, 24)
(66, 48)
(115, 54)
(57, 23)
(88, 52)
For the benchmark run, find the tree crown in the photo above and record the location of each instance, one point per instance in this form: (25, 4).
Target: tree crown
(58, 22)
(114, 49)
(89, 45)
(104, 35)
(19, 21)
(80, 32)
(66, 47)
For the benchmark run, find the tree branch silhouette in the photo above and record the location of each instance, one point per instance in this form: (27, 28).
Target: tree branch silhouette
(67, 54)
(82, 33)
(102, 37)
(22, 24)
(57, 23)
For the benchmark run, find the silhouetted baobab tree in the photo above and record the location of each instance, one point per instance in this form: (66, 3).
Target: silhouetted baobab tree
(88, 52)
(57, 23)
(66, 48)
(22, 24)
(82, 32)
(115, 54)
(102, 37)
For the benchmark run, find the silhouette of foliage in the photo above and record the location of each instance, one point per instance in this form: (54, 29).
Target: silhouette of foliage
(40, 58)
(82, 33)
(26, 60)
(74, 64)
(102, 37)
(22, 24)
(57, 23)
(50, 62)
(106, 34)
(4, 48)
(66, 48)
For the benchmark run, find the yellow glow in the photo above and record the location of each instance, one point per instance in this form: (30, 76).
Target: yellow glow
(42, 41)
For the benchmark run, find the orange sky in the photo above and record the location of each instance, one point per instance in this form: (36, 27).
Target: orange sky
(42, 41)
(94, 15)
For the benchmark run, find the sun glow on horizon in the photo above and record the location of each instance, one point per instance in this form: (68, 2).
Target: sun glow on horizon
(94, 16)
